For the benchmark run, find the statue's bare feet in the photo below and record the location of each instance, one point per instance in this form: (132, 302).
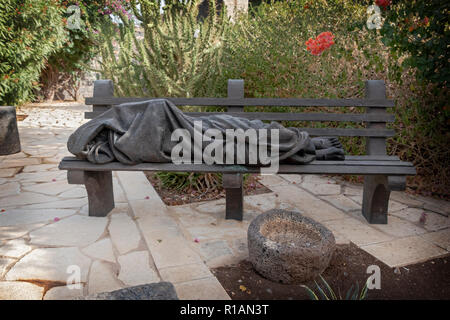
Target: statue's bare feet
(326, 142)
(332, 153)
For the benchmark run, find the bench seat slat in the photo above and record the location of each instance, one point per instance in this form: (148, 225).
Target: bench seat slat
(287, 116)
(346, 167)
(372, 158)
(351, 132)
(280, 102)
(347, 157)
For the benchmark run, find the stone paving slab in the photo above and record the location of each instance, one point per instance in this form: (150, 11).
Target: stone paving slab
(431, 221)
(63, 293)
(439, 238)
(13, 163)
(39, 168)
(60, 204)
(356, 231)
(9, 189)
(49, 264)
(72, 231)
(322, 188)
(172, 252)
(102, 278)
(50, 188)
(405, 251)
(203, 289)
(15, 248)
(342, 203)
(17, 231)
(183, 273)
(138, 190)
(124, 233)
(15, 290)
(8, 173)
(5, 264)
(16, 217)
(135, 269)
(102, 250)
(400, 228)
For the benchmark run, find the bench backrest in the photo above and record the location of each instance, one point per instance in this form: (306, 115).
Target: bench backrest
(375, 117)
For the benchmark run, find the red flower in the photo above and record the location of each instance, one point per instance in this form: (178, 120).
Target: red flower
(383, 3)
(322, 42)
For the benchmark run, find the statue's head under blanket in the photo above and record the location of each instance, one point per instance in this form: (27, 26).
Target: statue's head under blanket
(147, 132)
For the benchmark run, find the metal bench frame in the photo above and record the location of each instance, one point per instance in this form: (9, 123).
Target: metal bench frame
(382, 173)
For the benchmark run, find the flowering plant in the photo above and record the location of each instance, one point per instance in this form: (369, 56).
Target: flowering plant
(419, 29)
(322, 42)
(383, 3)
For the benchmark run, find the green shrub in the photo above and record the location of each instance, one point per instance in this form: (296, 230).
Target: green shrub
(268, 51)
(420, 28)
(65, 65)
(30, 31)
(177, 54)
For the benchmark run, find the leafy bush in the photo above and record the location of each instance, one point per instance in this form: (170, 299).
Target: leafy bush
(65, 65)
(30, 31)
(420, 29)
(268, 50)
(36, 46)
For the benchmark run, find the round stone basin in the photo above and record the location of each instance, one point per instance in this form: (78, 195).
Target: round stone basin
(287, 247)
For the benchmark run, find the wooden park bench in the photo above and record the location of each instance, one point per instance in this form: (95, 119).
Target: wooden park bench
(382, 173)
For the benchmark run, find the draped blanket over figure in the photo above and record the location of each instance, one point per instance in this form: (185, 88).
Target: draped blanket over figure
(139, 132)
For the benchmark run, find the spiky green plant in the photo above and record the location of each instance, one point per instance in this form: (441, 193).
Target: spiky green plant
(183, 181)
(178, 54)
(326, 293)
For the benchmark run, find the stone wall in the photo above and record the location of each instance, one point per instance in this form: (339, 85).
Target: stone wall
(234, 6)
(87, 84)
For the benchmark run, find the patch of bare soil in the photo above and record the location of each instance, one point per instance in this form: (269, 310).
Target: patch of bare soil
(175, 197)
(428, 280)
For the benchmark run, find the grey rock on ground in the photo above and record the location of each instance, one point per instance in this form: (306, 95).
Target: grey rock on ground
(152, 291)
(9, 134)
(287, 247)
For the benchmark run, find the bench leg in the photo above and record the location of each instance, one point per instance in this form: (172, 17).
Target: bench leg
(99, 188)
(376, 199)
(234, 193)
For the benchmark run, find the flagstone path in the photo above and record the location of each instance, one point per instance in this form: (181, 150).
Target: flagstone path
(48, 239)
